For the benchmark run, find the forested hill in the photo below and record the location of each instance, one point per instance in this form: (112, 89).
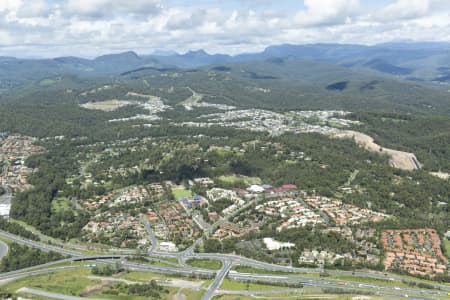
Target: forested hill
(423, 62)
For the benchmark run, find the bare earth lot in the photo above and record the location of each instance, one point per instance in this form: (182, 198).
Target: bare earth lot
(441, 175)
(109, 105)
(398, 159)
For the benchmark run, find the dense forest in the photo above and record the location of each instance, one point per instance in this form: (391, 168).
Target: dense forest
(426, 136)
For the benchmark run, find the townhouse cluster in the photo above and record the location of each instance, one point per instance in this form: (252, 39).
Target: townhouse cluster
(14, 150)
(172, 223)
(119, 229)
(341, 213)
(291, 211)
(117, 225)
(127, 196)
(416, 251)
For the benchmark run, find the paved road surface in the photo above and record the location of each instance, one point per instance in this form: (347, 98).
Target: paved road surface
(3, 249)
(331, 283)
(51, 295)
(218, 281)
(151, 234)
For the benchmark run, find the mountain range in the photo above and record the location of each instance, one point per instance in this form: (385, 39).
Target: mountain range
(426, 62)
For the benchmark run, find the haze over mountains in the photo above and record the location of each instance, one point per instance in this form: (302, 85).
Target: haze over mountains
(412, 61)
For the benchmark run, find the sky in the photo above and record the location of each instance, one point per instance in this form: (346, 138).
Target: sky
(89, 28)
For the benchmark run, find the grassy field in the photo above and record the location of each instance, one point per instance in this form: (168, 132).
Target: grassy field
(447, 246)
(75, 282)
(170, 259)
(49, 82)
(181, 193)
(147, 276)
(234, 179)
(205, 264)
(232, 285)
(170, 295)
(72, 282)
(61, 204)
(193, 295)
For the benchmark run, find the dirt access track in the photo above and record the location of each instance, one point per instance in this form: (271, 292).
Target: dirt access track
(398, 159)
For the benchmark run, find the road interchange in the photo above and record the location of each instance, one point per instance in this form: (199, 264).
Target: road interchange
(228, 261)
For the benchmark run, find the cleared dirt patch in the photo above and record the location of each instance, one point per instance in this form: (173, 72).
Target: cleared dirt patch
(171, 282)
(441, 175)
(398, 159)
(109, 105)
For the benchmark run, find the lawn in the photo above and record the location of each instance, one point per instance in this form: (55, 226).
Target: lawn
(233, 179)
(205, 264)
(447, 246)
(49, 82)
(61, 204)
(181, 193)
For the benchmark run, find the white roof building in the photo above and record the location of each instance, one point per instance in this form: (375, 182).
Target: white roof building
(4, 210)
(255, 189)
(272, 244)
(168, 247)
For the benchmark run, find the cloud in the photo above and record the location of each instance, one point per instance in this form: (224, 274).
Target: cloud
(93, 27)
(327, 12)
(181, 19)
(109, 8)
(404, 9)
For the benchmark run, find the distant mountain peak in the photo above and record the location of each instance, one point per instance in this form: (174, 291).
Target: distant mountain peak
(199, 52)
(123, 55)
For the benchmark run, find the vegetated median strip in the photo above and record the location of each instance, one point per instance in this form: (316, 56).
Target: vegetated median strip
(205, 263)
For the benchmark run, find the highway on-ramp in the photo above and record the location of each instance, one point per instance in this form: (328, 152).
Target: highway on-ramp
(3, 249)
(51, 295)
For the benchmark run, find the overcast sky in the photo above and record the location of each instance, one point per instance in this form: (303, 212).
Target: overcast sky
(87, 28)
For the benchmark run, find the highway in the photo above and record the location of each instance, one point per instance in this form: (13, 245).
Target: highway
(228, 261)
(331, 283)
(38, 245)
(226, 267)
